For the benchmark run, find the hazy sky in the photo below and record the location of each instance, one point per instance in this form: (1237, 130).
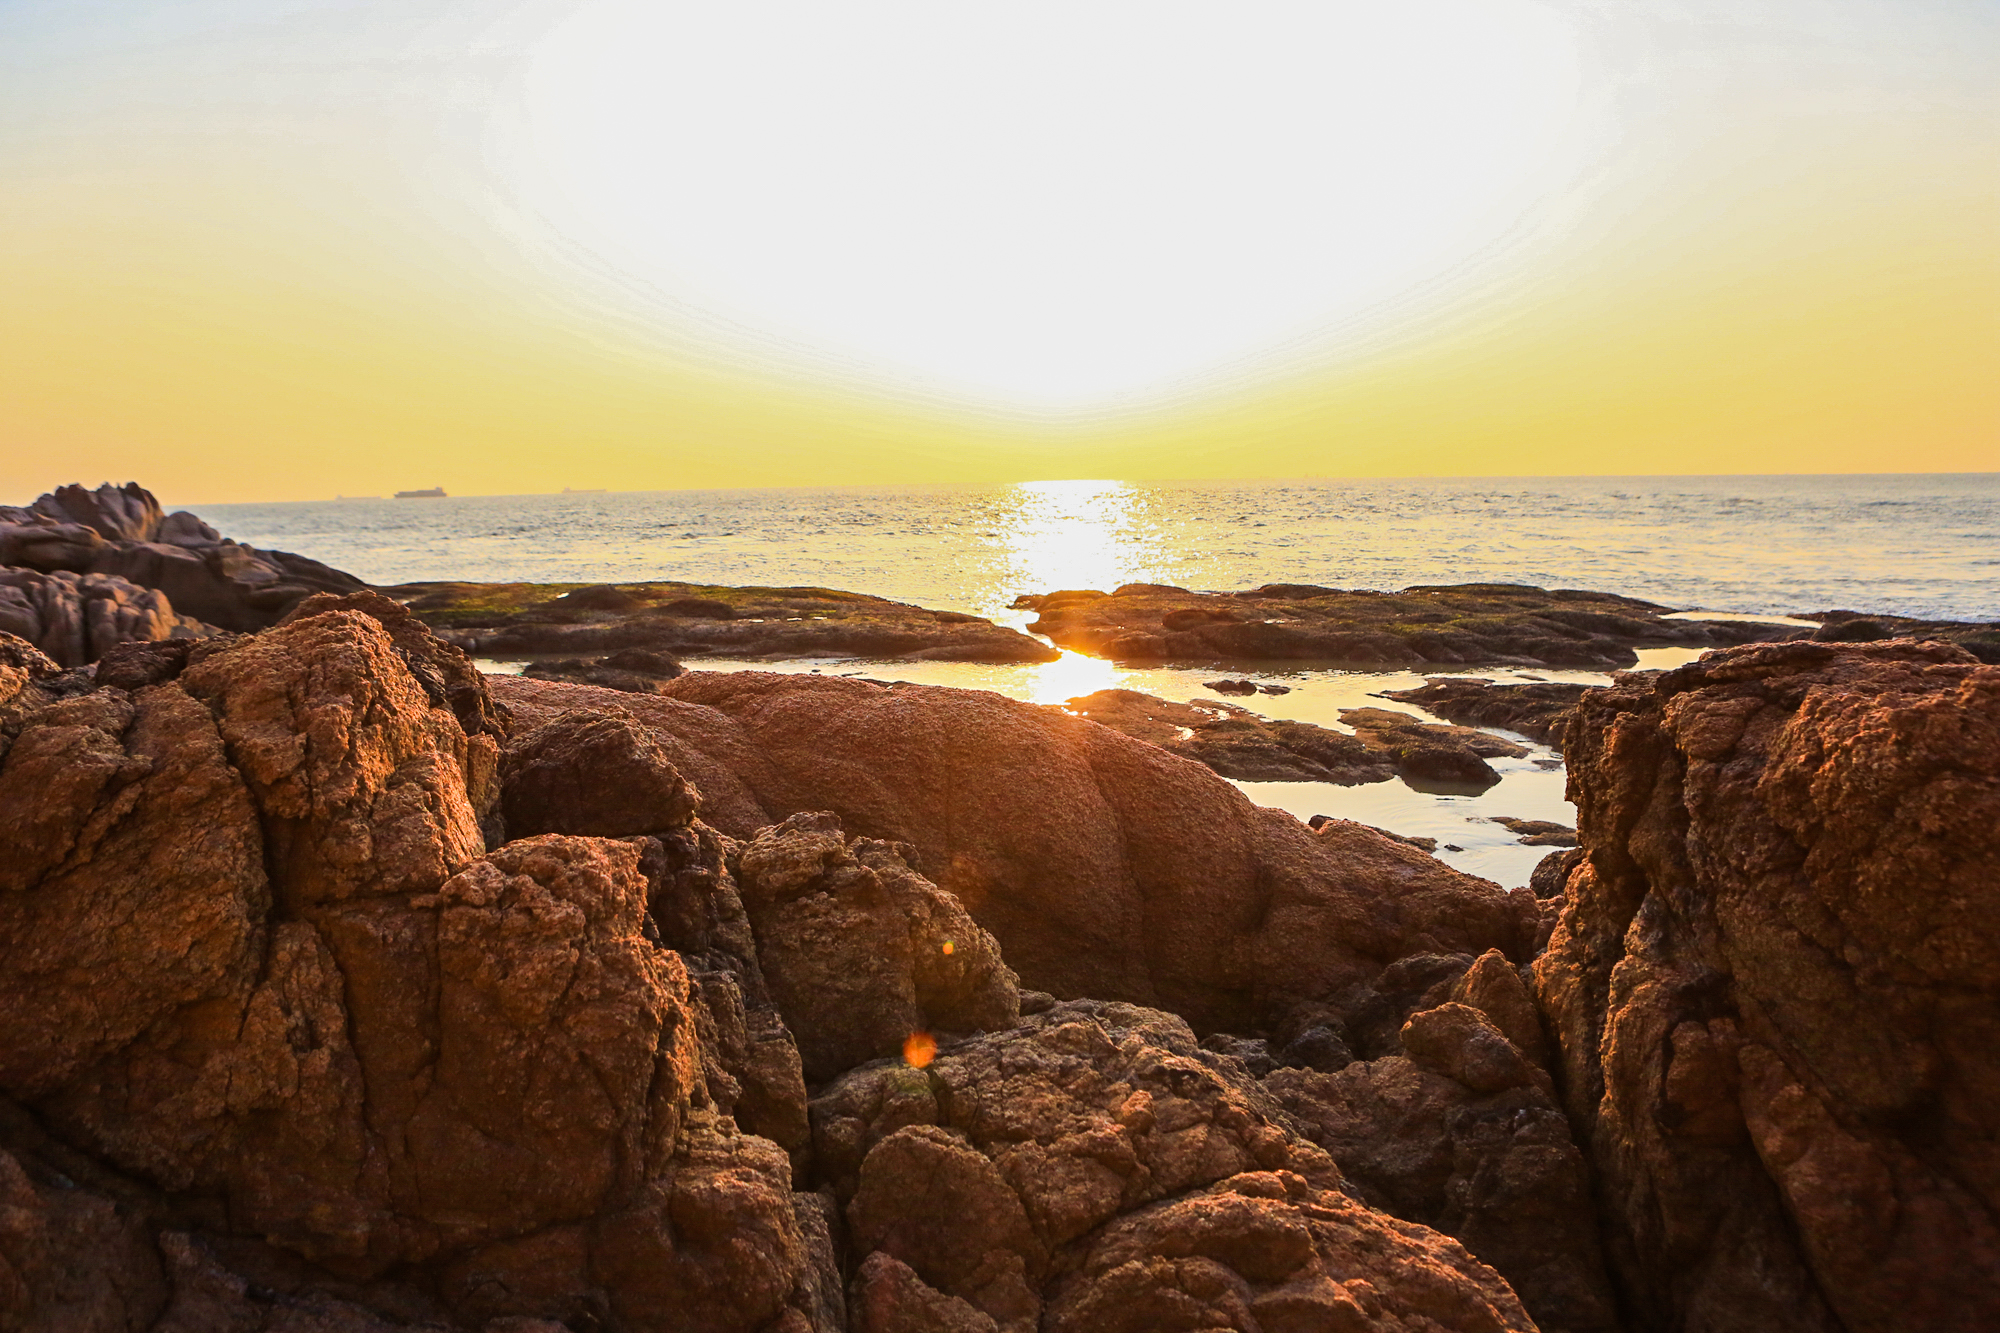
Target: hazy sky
(264, 249)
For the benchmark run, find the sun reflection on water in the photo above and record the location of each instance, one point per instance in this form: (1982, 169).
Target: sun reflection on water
(1075, 534)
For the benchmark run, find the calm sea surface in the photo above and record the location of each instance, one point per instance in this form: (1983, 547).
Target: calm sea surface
(1916, 545)
(1912, 545)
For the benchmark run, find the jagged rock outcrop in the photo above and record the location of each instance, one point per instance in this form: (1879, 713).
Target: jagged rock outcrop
(1775, 987)
(118, 533)
(1426, 753)
(335, 1000)
(1093, 1169)
(256, 955)
(1105, 867)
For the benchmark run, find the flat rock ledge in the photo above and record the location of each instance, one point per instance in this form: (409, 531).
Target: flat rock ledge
(1240, 744)
(581, 620)
(1468, 624)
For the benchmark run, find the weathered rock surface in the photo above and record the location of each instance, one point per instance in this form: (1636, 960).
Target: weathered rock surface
(1775, 986)
(1541, 709)
(859, 951)
(1103, 866)
(256, 956)
(120, 533)
(1462, 624)
(77, 618)
(1093, 1169)
(684, 619)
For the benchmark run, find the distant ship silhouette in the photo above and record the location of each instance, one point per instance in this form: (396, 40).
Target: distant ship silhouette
(434, 493)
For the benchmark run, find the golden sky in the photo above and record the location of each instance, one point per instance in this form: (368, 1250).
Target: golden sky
(289, 249)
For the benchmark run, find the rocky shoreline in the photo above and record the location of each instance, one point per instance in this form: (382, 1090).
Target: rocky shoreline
(345, 990)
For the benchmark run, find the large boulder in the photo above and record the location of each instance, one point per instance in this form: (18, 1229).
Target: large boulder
(256, 959)
(1104, 866)
(1775, 986)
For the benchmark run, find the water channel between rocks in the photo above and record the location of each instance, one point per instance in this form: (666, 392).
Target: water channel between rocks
(1530, 787)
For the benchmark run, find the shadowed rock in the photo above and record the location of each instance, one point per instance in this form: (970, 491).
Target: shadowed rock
(119, 533)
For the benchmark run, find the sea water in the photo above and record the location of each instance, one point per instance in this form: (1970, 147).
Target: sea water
(1908, 545)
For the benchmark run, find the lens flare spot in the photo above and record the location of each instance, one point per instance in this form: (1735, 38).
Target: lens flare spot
(919, 1049)
(947, 948)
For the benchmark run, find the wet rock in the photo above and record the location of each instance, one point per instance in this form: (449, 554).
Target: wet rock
(1552, 873)
(1426, 752)
(692, 620)
(1235, 742)
(1541, 709)
(1102, 865)
(595, 773)
(1537, 832)
(1231, 686)
(1773, 986)
(634, 669)
(1462, 624)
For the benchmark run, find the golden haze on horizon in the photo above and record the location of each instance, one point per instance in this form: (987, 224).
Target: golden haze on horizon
(218, 328)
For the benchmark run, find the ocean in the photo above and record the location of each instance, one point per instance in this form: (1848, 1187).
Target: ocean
(1920, 545)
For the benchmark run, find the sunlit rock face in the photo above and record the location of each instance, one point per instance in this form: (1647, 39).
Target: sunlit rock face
(1773, 986)
(1104, 866)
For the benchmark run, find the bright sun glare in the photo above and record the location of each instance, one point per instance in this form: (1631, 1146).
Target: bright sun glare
(1041, 206)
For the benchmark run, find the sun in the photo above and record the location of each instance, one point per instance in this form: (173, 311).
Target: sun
(1048, 207)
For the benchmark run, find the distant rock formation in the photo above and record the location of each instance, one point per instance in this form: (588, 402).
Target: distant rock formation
(579, 621)
(1468, 624)
(111, 562)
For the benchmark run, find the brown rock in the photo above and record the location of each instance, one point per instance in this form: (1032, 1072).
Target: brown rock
(860, 952)
(1773, 986)
(1424, 752)
(1468, 623)
(1266, 1250)
(1541, 709)
(690, 620)
(395, 1055)
(1094, 1169)
(71, 1261)
(598, 773)
(1236, 742)
(1102, 865)
(77, 618)
(361, 780)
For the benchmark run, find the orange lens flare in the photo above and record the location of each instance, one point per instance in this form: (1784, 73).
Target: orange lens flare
(919, 1048)
(947, 948)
